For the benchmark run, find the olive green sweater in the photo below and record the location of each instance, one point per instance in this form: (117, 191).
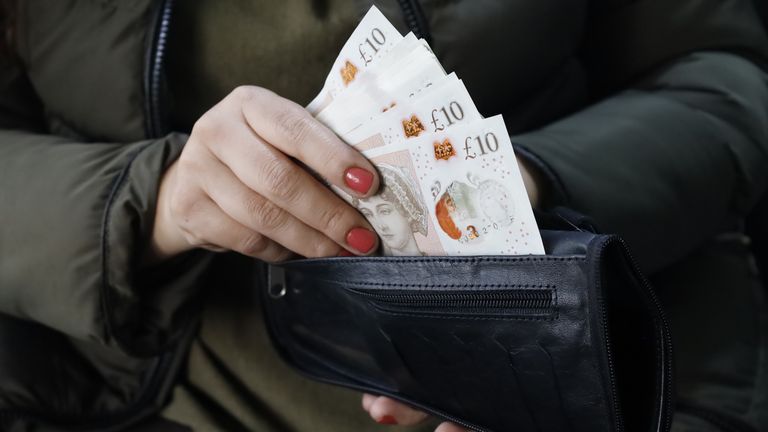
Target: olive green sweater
(285, 46)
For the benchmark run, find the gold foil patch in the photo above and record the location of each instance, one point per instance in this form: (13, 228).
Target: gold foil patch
(444, 150)
(412, 127)
(348, 72)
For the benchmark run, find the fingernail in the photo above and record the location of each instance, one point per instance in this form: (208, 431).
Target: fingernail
(387, 420)
(358, 179)
(345, 253)
(361, 239)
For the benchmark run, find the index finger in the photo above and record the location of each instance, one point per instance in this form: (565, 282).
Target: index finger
(291, 129)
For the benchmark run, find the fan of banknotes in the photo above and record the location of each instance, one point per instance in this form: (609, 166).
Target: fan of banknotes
(450, 181)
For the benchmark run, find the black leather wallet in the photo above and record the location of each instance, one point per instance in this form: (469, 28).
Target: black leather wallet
(574, 340)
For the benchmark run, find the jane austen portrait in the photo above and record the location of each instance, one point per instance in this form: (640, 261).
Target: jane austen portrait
(397, 212)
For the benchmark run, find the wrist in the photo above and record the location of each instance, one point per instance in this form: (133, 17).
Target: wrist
(167, 239)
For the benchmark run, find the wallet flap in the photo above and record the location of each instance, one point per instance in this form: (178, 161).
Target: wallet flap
(491, 343)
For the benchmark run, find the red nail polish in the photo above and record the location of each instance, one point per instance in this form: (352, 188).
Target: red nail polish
(358, 179)
(387, 420)
(361, 239)
(345, 253)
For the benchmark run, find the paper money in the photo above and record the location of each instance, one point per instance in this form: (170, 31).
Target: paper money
(369, 42)
(450, 180)
(456, 192)
(383, 89)
(434, 110)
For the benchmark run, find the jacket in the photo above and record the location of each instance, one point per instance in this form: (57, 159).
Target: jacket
(648, 115)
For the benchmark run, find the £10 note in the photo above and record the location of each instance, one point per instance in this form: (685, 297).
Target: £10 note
(369, 43)
(434, 110)
(382, 89)
(455, 192)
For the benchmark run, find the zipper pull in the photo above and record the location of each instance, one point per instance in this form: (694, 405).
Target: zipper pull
(276, 286)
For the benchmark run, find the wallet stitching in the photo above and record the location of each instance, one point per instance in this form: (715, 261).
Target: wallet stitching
(336, 261)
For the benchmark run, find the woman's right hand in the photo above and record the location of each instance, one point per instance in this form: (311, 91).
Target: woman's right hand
(236, 187)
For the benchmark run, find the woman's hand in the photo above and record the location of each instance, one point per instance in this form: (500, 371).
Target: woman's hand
(236, 187)
(388, 411)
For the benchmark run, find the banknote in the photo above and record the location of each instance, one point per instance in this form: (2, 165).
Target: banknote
(369, 42)
(450, 183)
(455, 192)
(434, 110)
(405, 79)
(399, 212)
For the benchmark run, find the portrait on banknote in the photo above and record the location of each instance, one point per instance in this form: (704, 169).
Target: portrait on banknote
(397, 212)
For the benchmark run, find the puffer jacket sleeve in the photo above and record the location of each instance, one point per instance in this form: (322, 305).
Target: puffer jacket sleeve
(680, 154)
(74, 218)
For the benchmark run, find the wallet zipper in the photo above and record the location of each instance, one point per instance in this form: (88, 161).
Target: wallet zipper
(665, 418)
(525, 302)
(615, 402)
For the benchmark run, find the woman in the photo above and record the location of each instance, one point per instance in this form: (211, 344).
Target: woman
(130, 149)
(397, 212)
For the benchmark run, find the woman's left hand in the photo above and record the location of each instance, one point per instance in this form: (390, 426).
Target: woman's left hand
(384, 410)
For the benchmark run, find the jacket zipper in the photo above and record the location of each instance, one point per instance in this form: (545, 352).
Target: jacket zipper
(415, 19)
(531, 300)
(153, 72)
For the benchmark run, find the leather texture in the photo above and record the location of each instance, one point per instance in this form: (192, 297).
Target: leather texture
(571, 341)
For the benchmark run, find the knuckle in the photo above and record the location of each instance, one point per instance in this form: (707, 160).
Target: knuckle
(324, 249)
(212, 247)
(191, 163)
(332, 218)
(193, 238)
(337, 152)
(276, 255)
(281, 180)
(246, 92)
(270, 217)
(294, 124)
(253, 245)
(336, 161)
(284, 255)
(253, 204)
(206, 129)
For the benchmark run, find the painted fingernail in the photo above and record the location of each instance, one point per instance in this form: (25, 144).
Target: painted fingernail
(361, 239)
(345, 253)
(387, 420)
(358, 179)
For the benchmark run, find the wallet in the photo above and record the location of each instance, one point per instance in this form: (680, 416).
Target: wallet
(574, 340)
